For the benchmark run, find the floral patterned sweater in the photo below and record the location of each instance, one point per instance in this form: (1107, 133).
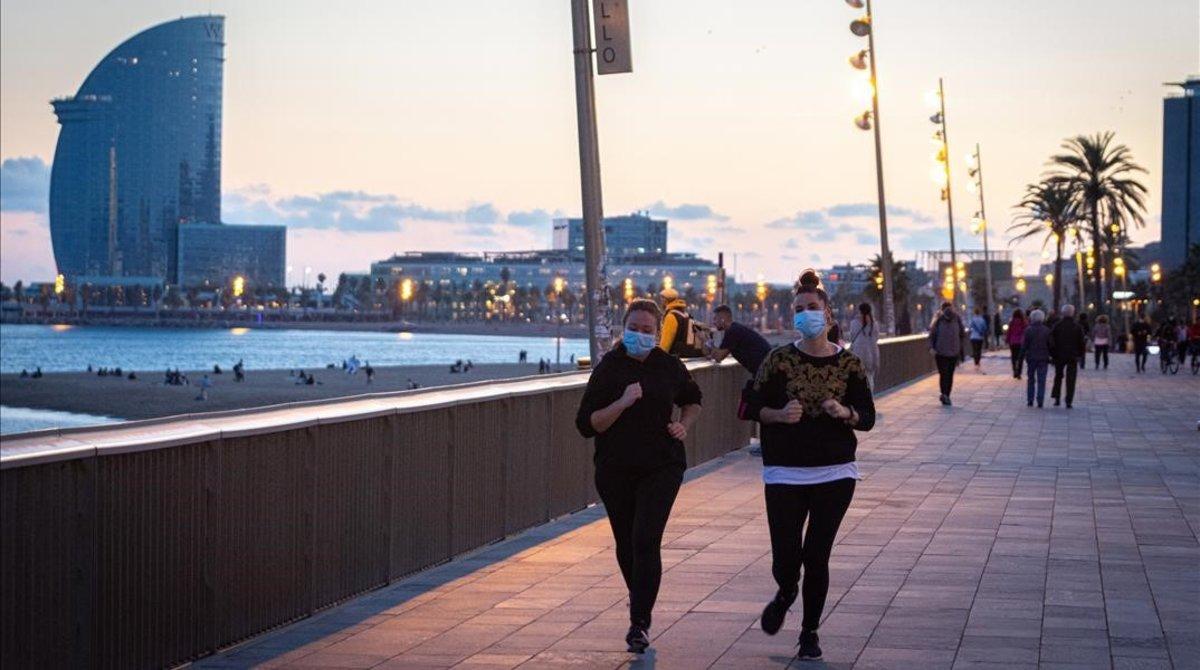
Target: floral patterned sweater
(817, 439)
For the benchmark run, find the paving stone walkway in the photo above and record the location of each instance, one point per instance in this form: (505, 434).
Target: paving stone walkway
(987, 535)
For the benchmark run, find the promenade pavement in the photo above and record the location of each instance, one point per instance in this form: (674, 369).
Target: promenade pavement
(986, 535)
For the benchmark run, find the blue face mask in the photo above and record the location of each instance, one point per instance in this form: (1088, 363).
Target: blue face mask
(638, 344)
(809, 323)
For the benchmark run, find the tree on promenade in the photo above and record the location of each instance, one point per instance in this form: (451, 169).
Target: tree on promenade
(1181, 286)
(900, 290)
(1100, 174)
(1050, 209)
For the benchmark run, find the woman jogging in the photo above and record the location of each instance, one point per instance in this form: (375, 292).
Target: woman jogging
(1015, 336)
(864, 342)
(628, 407)
(810, 396)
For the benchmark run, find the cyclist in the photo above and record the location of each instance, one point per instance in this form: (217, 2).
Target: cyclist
(1167, 337)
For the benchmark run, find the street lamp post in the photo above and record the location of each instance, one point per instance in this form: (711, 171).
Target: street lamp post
(559, 284)
(976, 172)
(939, 119)
(871, 120)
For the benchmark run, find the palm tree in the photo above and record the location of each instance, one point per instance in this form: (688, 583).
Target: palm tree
(900, 290)
(1100, 173)
(1049, 208)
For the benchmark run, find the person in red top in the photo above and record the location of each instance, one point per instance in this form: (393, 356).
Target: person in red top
(1015, 336)
(1193, 338)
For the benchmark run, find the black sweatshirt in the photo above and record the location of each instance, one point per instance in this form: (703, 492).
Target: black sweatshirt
(817, 439)
(638, 439)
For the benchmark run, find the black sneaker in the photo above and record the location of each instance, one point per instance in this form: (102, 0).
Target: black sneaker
(637, 639)
(775, 611)
(810, 648)
(944, 399)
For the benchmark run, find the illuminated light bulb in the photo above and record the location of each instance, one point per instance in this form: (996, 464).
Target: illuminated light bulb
(938, 175)
(864, 89)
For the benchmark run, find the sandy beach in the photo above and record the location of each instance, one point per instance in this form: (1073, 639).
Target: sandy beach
(148, 397)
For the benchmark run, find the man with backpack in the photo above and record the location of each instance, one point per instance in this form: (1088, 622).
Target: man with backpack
(681, 335)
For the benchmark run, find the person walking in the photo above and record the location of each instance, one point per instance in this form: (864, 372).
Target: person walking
(1066, 346)
(979, 333)
(1139, 332)
(640, 459)
(1087, 329)
(946, 345)
(1101, 338)
(809, 396)
(998, 325)
(1016, 338)
(205, 384)
(864, 342)
(1035, 347)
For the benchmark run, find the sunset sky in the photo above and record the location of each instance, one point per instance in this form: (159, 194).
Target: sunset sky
(376, 127)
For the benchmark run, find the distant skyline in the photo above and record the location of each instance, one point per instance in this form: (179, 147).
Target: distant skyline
(387, 127)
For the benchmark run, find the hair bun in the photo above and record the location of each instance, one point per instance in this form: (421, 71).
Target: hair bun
(810, 279)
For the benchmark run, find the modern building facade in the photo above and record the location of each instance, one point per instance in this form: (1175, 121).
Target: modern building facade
(139, 156)
(538, 269)
(629, 257)
(629, 235)
(213, 255)
(1181, 173)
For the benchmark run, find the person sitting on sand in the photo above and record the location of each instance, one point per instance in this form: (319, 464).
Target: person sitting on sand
(216, 369)
(37, 373)
(24, 374)
(132, 376)
(311, 380)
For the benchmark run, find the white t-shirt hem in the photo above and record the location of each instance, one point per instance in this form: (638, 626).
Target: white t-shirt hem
(796, 476)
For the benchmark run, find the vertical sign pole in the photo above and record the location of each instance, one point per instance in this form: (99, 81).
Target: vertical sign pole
(596, 272)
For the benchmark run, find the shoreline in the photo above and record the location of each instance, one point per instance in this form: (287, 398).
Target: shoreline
(147, 397)
(572, 331)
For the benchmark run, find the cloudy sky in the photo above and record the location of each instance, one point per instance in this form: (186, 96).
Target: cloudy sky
(375, 127)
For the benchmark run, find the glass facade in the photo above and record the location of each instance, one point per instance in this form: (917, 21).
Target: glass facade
(139, 152)
(1181, 174)
(623, 235)
(212, 255)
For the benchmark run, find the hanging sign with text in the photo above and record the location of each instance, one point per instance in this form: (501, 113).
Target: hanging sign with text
(613, 54)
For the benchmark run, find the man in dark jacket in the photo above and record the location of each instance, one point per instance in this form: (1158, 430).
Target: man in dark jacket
(946, 345)
(1067, 346)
